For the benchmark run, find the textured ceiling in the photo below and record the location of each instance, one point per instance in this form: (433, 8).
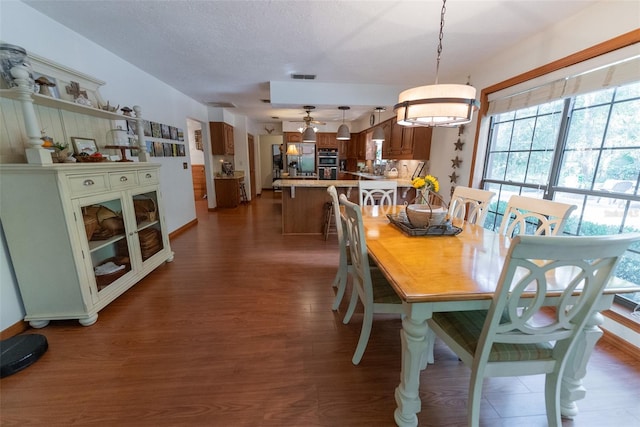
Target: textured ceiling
(230, 51)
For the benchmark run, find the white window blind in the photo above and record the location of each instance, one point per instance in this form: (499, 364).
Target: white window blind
(585, 77)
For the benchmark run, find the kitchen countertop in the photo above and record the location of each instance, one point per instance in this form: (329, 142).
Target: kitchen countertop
(324, 183)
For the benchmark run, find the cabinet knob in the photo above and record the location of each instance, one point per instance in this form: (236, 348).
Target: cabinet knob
(148, 175)
(88, 182)
(123, 179)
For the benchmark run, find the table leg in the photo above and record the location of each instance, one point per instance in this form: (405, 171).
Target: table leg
(571, 388)
(414, 343)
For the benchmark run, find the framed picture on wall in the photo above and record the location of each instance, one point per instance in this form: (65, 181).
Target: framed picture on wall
(165, 132)
(180, 135)
(158, 150)
(173, 131)
(156, 132)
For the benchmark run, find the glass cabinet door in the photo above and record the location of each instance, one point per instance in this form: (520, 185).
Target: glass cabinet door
(106, 231)
(148, 224)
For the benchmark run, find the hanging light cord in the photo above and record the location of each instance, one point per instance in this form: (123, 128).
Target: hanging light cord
(440, 37)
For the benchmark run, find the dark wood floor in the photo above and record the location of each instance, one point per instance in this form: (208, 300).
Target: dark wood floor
(238, 331)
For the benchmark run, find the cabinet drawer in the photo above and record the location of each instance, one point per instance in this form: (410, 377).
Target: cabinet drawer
(83, 184)
(149, 176)
(119, 180)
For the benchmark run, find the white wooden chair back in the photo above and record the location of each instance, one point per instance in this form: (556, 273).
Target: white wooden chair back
(369, 284)
(470, 204)
(344, 262)
(378, 192)
(539, 215)
(515, 337)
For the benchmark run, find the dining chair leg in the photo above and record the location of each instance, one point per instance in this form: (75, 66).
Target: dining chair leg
(341, 280)
(427, 357)
(352, 306)
(367, 322)
(475, 397)
(552, 399)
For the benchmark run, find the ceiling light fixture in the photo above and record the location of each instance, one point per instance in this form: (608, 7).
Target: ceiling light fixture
(343, 133)
(378, 133)
(438, 104)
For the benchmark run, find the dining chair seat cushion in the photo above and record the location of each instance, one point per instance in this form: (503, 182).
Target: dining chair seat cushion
(383, 293)
(465, 327)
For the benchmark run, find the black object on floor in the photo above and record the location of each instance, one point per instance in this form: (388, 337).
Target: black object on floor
(21, 351)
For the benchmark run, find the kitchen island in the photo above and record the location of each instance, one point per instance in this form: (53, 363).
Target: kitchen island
(303, 201)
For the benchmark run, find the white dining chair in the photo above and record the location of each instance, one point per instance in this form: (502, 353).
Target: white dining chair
(369, 284)
(470, 204)
(526, 215)
(378, 192)
(344, 264)
(517, 336)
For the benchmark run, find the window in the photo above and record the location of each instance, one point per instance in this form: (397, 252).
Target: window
(583, 150)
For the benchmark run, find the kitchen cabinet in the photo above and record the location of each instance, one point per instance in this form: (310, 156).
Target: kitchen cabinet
(227, 192)
(64, 223)
(221, 134)
(407, 143)
(293, 137)
(326, 140)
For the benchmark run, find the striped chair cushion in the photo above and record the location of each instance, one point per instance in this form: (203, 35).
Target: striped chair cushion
(382, 290)
(465, 328)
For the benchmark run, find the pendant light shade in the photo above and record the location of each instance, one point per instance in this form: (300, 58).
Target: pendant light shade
(309, 135)
(438, 104)
(378, 132)
(343, 133)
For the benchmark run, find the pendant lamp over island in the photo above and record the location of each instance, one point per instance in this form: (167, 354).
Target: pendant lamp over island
(438, 104)
(343, 133)
(378, 132)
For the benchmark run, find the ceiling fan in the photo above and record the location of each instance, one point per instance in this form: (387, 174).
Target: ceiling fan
(309, 120)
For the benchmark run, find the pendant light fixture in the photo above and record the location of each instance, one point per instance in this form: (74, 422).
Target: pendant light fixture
(343, 133)
(309, 133)
(378, 133)
(438, 104)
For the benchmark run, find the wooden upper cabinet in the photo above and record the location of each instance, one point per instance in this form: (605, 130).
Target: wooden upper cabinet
(221, 138)
(352, 146)
(408, 143)
(293, 137)
(421, 143)
(326, 140)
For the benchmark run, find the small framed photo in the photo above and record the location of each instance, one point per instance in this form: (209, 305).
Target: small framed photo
(156, 132)
(165, 131)
(180, 134)
(181, 150)
(173, 132)
(84, 145)
(147, 127)
(158, 150)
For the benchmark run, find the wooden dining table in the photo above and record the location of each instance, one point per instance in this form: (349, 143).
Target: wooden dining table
(453, 273)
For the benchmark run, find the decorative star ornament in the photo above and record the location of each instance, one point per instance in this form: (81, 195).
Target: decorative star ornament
(453, 177)
(459, 144)
(455, 163)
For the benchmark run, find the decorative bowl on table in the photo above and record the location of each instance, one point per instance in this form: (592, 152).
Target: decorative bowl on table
(424, 215)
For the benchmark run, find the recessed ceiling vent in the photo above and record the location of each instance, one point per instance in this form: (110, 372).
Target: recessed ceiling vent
(303, 76)
(221, 104)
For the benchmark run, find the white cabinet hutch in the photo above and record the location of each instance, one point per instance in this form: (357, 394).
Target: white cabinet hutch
(44, 206)
(42, 209)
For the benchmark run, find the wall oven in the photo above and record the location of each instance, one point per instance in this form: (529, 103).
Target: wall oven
(327, 163)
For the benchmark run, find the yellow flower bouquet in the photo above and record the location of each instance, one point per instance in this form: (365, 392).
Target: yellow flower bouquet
(429, 182)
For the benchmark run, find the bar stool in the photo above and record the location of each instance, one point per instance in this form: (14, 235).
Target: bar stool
(243, 193)
(329, 221)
